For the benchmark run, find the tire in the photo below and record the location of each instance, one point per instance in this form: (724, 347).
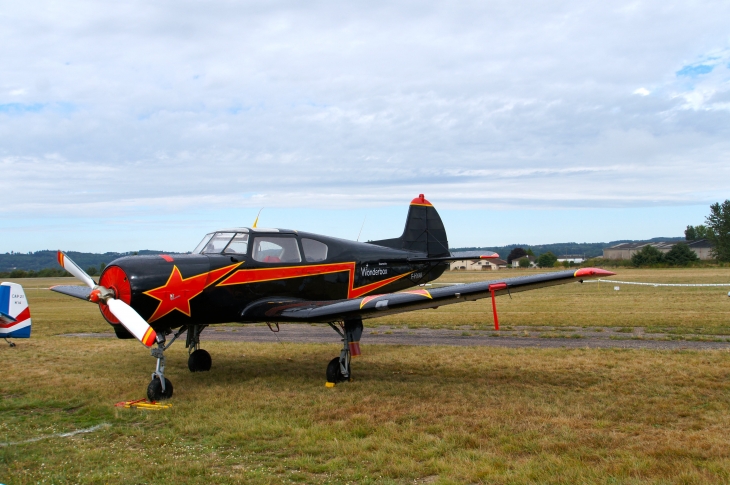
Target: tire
(154, 390)
(199, 361)
(334, 373)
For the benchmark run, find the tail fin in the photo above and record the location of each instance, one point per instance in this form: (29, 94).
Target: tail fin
(14, 311)
(424, 231)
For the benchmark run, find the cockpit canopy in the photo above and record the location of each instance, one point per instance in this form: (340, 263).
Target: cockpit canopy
(281, 247)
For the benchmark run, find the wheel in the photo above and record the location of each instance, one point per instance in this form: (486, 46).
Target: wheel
(334, 372)
(199, 361)
(12, 344)
(154, 390)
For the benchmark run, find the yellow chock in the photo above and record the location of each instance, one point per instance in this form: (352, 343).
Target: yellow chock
(329, 384)
(143, 404)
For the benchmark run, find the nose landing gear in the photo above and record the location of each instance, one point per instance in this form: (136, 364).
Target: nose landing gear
(160, 387)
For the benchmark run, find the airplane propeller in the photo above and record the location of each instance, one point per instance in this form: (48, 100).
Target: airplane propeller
(128, 316)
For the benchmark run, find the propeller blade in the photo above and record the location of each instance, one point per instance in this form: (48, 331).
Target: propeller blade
(132, 321)
(67, 264)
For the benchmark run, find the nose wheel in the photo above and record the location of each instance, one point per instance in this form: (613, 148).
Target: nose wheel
(155, 391)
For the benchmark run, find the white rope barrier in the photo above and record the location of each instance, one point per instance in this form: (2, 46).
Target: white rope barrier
(655, 284)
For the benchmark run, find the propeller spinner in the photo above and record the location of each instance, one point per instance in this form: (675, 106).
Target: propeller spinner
(127, 316)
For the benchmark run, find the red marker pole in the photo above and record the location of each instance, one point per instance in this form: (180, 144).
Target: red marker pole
(492, 289)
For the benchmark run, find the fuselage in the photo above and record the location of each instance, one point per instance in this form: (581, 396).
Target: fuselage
(233, 269)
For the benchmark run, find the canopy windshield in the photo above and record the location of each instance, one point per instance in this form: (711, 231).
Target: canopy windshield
(223, 242)
(199, 248)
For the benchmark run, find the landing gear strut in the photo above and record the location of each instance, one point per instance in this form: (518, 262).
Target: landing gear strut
(12, 344)
(199, 360)
(338, 370)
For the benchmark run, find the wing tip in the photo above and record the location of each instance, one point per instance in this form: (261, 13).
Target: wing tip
(592, 272)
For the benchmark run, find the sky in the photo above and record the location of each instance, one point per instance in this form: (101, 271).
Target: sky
(144, 125)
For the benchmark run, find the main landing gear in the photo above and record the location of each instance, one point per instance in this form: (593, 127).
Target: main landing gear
(199, 360)
(338, 370)
(160, 387)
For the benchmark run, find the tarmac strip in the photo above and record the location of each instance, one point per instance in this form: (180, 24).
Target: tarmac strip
(305, 333)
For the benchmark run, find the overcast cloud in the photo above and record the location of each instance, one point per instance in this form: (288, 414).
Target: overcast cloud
(114, 110)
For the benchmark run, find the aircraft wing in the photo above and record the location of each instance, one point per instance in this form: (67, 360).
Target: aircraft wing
(288, 310)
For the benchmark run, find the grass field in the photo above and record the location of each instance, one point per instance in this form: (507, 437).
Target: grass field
(412, 414)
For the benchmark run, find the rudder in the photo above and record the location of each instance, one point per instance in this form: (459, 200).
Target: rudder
(14, 312)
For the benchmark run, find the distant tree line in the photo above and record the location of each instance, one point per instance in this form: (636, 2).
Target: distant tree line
(589, 250)
(44, 273)
(41, 260)
(49, 272)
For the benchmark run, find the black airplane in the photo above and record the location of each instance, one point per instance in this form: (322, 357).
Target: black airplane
(249, 275)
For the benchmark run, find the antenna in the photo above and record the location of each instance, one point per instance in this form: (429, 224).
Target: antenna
(363, 225)
(257, 219)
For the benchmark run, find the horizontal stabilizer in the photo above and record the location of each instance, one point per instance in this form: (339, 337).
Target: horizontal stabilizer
(81, 292)
(459, 256)
(5, 318)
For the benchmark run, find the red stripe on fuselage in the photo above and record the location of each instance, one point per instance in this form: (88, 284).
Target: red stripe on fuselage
(259, 275)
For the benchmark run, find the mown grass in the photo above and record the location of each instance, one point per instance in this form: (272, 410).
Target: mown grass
(412, 414)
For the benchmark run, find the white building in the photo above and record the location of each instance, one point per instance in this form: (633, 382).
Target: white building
(492, 264)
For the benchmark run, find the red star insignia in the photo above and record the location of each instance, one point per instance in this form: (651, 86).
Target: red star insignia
(178, 291)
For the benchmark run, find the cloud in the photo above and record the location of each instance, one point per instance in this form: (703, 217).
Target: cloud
(114, 109)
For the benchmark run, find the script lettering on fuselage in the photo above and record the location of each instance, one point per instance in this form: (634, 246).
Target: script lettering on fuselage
(373, 271)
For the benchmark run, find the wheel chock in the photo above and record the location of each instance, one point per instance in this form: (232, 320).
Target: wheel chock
(143, 404)
(329, 384)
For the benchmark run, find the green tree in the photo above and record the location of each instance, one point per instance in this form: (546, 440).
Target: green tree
(690, 234)
(702, 231)
(516, 254)
(524, 262)
(680, 255)
(718, 230)
(547, 260)
(529, 252)
(647, 256)
(91, 270)
(693, 233)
